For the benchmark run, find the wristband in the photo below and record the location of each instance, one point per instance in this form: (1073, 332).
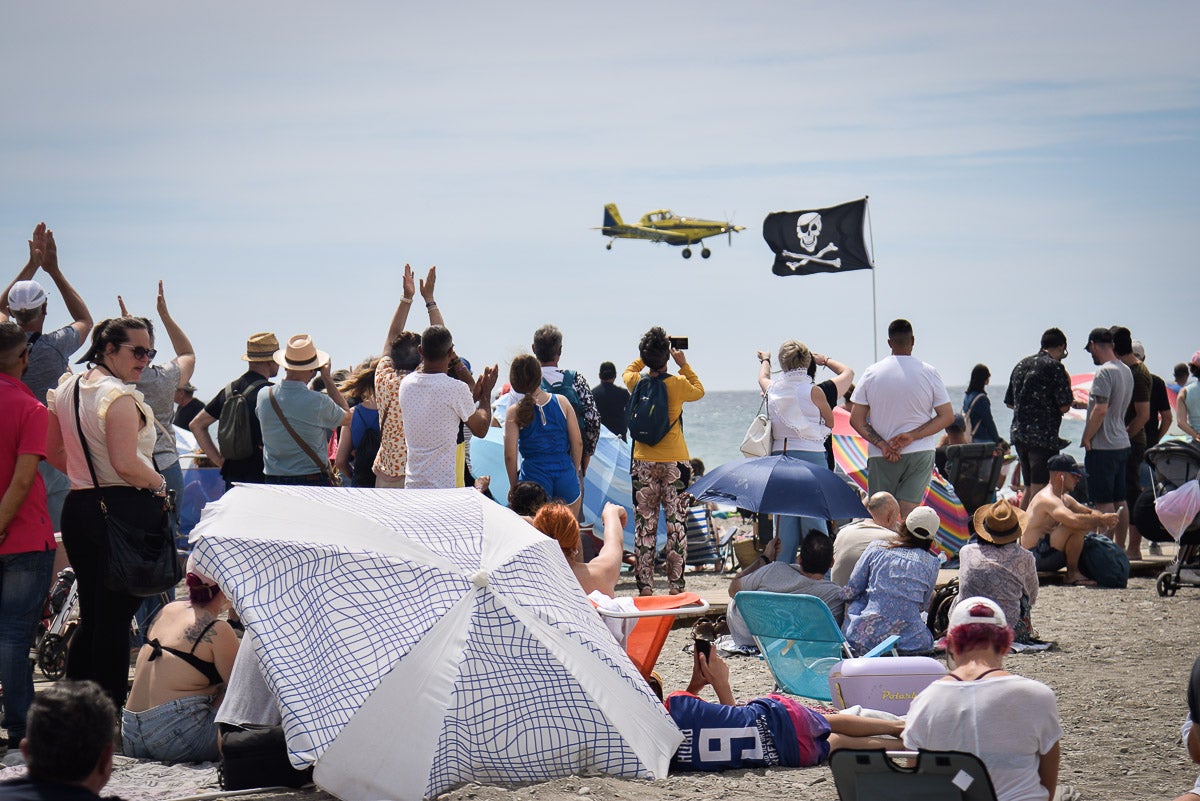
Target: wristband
(407, 301)
(431, 304)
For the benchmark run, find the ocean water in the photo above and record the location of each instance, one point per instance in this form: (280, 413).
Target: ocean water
(715, 424)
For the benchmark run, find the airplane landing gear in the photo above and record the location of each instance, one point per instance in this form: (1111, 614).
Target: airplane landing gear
(705, 253)
(687, 253)
(608, 246)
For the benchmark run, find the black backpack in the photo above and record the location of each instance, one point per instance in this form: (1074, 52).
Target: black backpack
(648, 412)
(235, 428)
(363, 471)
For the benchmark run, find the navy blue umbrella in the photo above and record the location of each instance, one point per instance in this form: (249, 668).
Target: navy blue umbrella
(781, 485)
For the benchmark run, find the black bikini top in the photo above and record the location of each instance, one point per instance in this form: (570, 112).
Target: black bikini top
(207, 669)
(977, 678)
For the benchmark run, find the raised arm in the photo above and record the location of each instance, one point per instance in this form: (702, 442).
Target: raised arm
(843, 375)
(80, 316)
(185, 355)
(606, 566)
(481, 419)
(427, 285)
(400, 316)
(36, 250)
(335, 394)
(764, 371)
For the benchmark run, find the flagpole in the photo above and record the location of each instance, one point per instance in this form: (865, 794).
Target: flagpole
(874, 307)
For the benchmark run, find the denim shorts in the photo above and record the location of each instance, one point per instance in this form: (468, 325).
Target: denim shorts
(184, 730)
(1106, 475)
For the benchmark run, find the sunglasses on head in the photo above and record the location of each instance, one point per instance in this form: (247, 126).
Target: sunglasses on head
(140, 352)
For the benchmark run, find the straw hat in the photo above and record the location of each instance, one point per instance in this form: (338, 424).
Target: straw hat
(1000, 523)
(261, 347)
(301, 354)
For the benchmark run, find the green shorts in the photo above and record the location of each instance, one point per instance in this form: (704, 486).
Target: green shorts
(907, 479)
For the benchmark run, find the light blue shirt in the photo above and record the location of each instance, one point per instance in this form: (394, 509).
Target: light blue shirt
(312, 415)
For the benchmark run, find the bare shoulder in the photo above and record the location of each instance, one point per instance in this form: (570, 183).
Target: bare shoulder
(202, 628)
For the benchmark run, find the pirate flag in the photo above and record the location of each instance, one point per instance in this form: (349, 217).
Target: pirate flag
(818, 241)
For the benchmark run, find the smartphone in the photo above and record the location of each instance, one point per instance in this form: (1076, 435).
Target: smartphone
(679, 343)
(704, 647)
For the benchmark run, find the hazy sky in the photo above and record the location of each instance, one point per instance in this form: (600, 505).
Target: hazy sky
(277, 164)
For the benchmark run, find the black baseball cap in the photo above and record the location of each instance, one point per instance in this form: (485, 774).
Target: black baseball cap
(1064, 463)
(1098, 335)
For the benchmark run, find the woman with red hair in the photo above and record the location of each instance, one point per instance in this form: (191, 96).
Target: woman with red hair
(557, 521)
(1008, 721)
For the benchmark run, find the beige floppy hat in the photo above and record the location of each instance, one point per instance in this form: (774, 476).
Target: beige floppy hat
(301, 354)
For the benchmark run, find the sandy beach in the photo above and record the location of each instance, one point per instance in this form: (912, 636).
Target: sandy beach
(1119, 670)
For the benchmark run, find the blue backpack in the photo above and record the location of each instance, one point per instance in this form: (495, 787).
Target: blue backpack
(566, 388)
(648, 412)
(1104, 562)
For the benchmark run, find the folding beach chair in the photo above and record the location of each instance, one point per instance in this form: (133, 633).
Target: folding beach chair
(938, 776)
(655, 614)
(799, 639)
(702, 547)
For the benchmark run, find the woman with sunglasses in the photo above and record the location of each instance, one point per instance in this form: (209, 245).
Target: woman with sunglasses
(113, 462)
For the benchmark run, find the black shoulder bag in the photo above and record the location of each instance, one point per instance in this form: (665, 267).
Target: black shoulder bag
(140, 561)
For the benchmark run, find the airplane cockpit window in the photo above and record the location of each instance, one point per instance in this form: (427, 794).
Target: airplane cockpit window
(666, 215)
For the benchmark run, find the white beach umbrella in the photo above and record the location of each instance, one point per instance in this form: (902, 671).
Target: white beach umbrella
(421, 639)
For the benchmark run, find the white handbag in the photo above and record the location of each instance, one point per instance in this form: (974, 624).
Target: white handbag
(757, 441)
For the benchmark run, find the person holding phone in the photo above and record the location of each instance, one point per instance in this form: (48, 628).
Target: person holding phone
(661, 471)
(801, 421)
(770, 730)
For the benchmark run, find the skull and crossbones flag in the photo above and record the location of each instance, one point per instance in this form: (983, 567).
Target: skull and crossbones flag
(819, 240)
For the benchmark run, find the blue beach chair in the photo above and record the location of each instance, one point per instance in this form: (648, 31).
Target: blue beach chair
(799, 639)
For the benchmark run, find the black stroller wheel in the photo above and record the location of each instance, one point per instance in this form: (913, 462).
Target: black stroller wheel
(1166, 585)
(52, 657)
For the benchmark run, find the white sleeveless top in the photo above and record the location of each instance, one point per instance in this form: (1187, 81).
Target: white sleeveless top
(793, 414)
(95, 397)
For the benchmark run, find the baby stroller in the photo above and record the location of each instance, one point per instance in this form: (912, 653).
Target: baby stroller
(59, 621)
(1174, 464)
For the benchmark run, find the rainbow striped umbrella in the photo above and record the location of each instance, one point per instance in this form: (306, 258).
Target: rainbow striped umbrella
(850, 453)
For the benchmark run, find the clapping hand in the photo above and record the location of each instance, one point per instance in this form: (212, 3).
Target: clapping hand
(410, 283)
(428, 283)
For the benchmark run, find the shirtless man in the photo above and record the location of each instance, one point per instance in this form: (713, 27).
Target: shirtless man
(1057, 517)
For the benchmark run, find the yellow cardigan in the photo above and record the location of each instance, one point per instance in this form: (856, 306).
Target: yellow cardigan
(680, 389)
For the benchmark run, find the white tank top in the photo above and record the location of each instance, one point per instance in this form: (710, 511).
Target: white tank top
(793, 414)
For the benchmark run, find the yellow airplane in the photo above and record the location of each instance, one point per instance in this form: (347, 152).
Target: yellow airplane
(662, 225)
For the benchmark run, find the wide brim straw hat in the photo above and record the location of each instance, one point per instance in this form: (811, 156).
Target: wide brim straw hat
(301, 354)
(1000, 523)
(261, 347)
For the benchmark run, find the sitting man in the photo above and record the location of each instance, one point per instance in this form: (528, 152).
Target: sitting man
(1057, 522)
(853, 538)
(68, 744)
(770, 575)
(773, 730)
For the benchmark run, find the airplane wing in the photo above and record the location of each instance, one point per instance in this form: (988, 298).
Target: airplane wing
(643, 232)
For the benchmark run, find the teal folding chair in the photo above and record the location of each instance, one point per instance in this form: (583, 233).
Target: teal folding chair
(799, 639)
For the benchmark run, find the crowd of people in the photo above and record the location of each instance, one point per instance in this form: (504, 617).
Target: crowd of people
(79, 446)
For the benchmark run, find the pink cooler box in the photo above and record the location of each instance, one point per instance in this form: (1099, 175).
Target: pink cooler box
(887, 683)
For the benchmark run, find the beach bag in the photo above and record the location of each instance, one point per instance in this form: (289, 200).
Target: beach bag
(139, 560)
(257, 756)
(648, 412)
(757, 441)
(363, 471)
(235, 433)
(1178, 508)
(566, 388)
(1104, 562)
(969, 427)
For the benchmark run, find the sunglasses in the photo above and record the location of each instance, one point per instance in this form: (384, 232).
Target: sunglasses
(141, 353)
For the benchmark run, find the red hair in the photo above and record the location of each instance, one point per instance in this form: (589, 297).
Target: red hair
(556, 521)
(970, 636)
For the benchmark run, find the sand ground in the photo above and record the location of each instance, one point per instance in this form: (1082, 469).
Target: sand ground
(1119, 671)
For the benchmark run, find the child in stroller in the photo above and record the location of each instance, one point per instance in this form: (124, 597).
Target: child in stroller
(1174, 464)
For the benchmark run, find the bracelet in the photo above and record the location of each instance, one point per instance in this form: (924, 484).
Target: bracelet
(431, 304)
(407, 301)
(161, 489)
(764, 361)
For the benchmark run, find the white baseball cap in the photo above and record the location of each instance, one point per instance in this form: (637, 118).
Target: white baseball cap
(968, 610)
(923, 522)
(26, 295)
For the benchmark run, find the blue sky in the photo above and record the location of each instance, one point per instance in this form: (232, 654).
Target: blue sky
(277, 164)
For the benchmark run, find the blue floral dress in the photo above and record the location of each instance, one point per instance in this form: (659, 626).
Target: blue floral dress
(887, 592)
